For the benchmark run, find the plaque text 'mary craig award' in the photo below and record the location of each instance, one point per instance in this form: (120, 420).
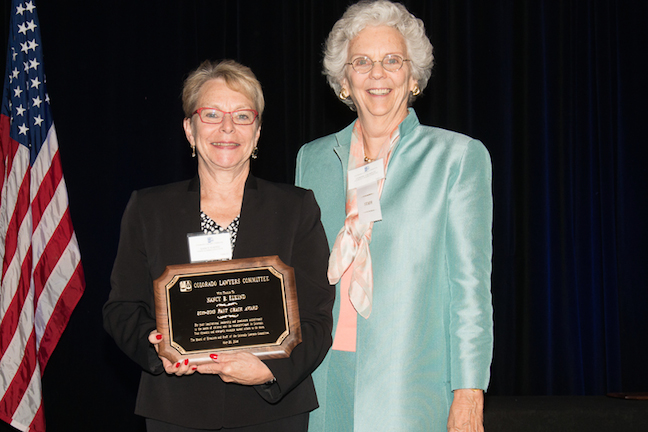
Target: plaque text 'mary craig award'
(243, 304)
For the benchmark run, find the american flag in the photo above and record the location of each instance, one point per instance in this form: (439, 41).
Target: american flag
(42, 278)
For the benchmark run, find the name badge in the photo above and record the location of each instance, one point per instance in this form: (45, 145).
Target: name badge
(365, 181)
(368, 203)
(370, 173)
(209, 247)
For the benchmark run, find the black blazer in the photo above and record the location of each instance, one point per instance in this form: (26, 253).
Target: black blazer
(276, 219)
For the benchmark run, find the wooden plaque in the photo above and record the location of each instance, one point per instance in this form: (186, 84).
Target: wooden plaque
(223, 306)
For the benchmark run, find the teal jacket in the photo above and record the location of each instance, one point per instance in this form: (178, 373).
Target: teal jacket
(430, 329)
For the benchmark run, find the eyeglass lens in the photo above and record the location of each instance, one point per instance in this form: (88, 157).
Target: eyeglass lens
(390, 62)
(216, 116)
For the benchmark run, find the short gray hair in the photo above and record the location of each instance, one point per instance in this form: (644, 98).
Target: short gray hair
(377, 13)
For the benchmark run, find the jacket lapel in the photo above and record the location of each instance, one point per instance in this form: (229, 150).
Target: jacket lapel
(343, 148)
(250, 221)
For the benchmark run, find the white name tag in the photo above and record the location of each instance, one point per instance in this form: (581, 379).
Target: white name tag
(369, 203)
(365, 181)
(366, 174)
(209, 247)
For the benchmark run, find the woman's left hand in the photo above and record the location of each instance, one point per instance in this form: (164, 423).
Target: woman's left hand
(241, 368)
(179, 368)
(467, 411)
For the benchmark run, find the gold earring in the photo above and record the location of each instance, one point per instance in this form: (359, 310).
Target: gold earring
(416, 91)
(255, 152)
(193, 151)
(344, 93)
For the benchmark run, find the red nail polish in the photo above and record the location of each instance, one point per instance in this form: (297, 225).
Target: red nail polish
(186, 362)
(214, 356)
(158, 337)
(193, 368)
(178, 364)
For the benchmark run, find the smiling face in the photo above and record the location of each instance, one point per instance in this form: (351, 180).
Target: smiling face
(225, 146)
(379, 94)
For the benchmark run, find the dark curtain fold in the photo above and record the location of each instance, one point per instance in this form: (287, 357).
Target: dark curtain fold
(548, 87)
(555, 90)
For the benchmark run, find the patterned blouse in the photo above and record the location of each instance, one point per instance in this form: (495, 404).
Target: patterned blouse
(209, 226)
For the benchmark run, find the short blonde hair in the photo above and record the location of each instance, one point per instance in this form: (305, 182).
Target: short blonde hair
(237, 77)
(377, 13)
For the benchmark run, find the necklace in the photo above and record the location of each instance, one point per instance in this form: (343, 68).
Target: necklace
(366, 159)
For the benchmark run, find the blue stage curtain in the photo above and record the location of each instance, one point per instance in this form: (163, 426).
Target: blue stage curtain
(556, 90)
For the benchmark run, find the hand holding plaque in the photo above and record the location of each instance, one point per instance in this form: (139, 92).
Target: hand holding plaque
(244, 304)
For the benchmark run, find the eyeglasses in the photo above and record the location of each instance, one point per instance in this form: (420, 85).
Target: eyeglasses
(391, 63)
(216, 116)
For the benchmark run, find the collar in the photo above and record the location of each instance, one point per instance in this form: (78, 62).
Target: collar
(343, 138)
(250, 183)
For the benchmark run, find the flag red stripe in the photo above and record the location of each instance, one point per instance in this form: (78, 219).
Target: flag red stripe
(22, 206)
(56, 245)
(60, 316)
(38, 424)
(12, 315)
(21, 379)
(9, 148)
(47, 188)
(11, 318)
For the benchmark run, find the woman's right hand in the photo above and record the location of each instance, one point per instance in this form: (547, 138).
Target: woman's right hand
(179, 368)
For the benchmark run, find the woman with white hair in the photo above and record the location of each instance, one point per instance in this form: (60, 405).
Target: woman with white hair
(408, 210)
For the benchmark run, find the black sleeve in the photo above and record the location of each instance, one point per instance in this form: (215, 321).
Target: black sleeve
(315, 295)
(129, 313)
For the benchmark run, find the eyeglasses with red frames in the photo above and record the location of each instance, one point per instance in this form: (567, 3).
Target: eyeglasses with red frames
(216, 116)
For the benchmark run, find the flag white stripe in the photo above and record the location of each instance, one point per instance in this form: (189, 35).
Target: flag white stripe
(55, 286)
(50, 220)
(44, 160)
(13, 356)
(29, 403)
(12, 276)
(10, 189)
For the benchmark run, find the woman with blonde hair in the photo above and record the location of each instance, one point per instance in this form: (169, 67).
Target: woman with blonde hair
(235, 392)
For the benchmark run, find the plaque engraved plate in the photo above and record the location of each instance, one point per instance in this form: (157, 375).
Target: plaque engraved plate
(245, 304)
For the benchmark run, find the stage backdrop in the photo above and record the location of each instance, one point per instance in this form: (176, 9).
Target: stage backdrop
(555, 90)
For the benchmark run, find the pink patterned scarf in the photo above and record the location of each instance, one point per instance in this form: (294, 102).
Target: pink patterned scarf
(351, 247)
